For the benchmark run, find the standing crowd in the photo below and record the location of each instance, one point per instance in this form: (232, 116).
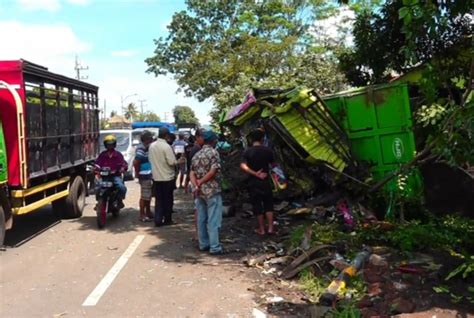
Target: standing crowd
(167, 163)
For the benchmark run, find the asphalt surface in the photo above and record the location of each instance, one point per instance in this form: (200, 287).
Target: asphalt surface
(135, 269)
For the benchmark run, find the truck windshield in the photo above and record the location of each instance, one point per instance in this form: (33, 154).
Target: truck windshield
(123, 140)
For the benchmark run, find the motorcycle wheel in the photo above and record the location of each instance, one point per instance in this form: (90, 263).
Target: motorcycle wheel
(101, 213)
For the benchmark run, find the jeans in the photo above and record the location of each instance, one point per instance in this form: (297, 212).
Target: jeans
(118, 182)
(164, 201)
(209, 222)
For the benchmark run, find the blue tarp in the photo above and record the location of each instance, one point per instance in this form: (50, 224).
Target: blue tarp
(154, 124)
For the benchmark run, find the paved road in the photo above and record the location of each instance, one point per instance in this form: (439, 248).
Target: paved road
(137, 270)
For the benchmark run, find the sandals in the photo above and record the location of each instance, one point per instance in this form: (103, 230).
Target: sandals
(145, 219)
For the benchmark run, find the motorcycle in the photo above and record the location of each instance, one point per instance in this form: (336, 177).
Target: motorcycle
(107, 196)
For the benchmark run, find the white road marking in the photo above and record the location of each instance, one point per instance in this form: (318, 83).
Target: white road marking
(108, 279)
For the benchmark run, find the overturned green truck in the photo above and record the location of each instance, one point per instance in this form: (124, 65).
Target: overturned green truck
(343, 141)
(344, 144)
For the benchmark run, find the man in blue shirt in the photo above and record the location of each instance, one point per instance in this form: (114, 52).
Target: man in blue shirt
(142, 168)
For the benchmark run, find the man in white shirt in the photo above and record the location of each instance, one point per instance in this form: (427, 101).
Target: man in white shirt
(163, 163)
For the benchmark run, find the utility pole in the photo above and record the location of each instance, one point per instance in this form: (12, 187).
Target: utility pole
(105, 109)
(78, 67)
(142, 101)
(166, 116)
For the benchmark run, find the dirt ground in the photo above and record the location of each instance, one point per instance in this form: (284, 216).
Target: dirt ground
(58, 263)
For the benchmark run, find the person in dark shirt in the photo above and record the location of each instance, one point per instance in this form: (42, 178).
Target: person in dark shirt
(256, 162)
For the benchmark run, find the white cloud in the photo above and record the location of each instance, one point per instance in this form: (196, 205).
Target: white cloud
(20, 40)
(78, 2)
(114, 77)
(124, 53)
(45, 5)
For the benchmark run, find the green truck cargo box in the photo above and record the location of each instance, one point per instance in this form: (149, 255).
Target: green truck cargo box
(378, 121)
(301, 119)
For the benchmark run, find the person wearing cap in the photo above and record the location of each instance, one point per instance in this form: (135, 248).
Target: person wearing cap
(163, 163)
(205, 170)
(142, 168)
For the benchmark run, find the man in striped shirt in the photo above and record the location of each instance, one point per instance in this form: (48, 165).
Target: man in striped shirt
(142, 168)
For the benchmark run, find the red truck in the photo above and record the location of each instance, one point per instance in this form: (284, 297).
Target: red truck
(49, 132)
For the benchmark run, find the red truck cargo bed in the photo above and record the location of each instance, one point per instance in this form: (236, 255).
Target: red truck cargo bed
(60, 118)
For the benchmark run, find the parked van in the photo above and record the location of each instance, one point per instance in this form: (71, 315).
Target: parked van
(124, 145)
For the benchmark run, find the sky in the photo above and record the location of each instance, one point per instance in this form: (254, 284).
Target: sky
(111, 37)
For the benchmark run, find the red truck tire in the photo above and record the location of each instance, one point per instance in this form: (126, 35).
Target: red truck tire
(71, 207)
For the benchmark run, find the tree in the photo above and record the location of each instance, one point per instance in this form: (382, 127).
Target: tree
(184, 115)
(113, 113)
(131, 112)
(148, 116)
(433, 38)
(220, 47)
(402, 34)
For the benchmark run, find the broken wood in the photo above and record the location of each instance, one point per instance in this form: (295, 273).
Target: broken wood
(303, 257)
(295, 271)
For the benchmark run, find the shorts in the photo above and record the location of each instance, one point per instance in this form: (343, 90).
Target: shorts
(261, 197)
(146, 189)
(182, 168)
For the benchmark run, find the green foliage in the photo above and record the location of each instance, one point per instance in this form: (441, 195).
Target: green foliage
(435, 39)
(347, 310)
(449, 232)
(148, 116)
(220, 49)
(420, 30)
(314, 285)
(184, 115)
(464, 270)
(131, 112)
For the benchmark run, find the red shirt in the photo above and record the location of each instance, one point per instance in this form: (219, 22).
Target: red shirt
(113, 160)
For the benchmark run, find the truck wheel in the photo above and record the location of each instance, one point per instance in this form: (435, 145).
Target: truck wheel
(2, 226)
(71, 207)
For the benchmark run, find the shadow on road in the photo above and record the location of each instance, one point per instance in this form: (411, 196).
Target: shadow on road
(127, 221)
(28, 226)
(176, 243)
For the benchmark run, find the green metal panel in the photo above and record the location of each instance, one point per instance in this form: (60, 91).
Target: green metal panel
(379, 124)
(3, 157)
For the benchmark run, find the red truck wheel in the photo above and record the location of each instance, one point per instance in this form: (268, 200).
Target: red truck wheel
(71, 207)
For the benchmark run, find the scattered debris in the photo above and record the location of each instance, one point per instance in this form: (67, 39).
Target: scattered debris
(289, 271)
(259, 260)
(275, 299)
(377, 260)
(299, 211)
(257, 313)
(329, 296)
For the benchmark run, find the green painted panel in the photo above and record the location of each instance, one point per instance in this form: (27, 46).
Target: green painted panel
(378, 121)
(3, 157)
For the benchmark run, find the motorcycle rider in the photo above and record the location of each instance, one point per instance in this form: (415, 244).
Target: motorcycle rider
(113, 159)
